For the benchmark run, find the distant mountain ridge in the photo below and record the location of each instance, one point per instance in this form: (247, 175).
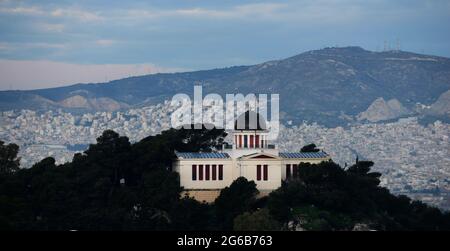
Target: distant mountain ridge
(331, 86)
(102, 103)
(441, 106)
(381, 110)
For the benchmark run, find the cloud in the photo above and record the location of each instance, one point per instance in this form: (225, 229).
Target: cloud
(4, 47)
(105, 42)
(51, 27)
(23, 11)
(30, 74)
(197, 34)
(68, 12)
(239, 11)
(32, 45)
(81, 15)
(305, 13)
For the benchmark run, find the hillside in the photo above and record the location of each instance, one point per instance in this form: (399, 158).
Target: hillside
(330, 86)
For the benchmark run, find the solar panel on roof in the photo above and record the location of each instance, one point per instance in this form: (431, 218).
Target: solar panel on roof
(302, 155)
(287, 155)
(193, 155)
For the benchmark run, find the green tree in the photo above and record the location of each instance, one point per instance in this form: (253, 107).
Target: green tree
(9, 162)
(113, 185)
(315, 219)
(192, 215)
(309, 148)
(158, 151)
(12, 206)
(234, 200)
(260, 220)
(344, 197)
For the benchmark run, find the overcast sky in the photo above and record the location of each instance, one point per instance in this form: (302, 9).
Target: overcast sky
(53, 43)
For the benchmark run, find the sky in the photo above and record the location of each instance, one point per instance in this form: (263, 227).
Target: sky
(55, 43)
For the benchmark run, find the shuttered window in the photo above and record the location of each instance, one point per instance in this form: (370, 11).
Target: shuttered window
(200, 172)
(214, 172)
(288, 171)
(206, 172)
(266, 172)
(220, 172)
(194, 172)
(295, 170)
(258, 172)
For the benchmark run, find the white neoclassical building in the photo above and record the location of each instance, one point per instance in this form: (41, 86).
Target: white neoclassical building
(203, 175)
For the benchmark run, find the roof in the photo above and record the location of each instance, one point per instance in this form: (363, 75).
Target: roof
(250, 120)
(304, 155)
(197, 155)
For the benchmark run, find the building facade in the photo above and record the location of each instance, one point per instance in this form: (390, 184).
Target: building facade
(203, 175)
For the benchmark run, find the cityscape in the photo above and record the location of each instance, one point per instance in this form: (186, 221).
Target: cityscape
(211, 124)
(413, 158)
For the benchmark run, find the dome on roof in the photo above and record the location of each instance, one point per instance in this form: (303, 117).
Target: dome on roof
(250, 120)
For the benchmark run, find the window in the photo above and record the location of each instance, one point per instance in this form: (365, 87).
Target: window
(220, 172)
(194, 172)
(245, 141)
(295, 171)
(214, 167)
(206, 172)
(252, 138)
(200, 172)
(240, 141)
(288, 171)
(262, 143)
(258, 172)
(266, 172)
(257, 141)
